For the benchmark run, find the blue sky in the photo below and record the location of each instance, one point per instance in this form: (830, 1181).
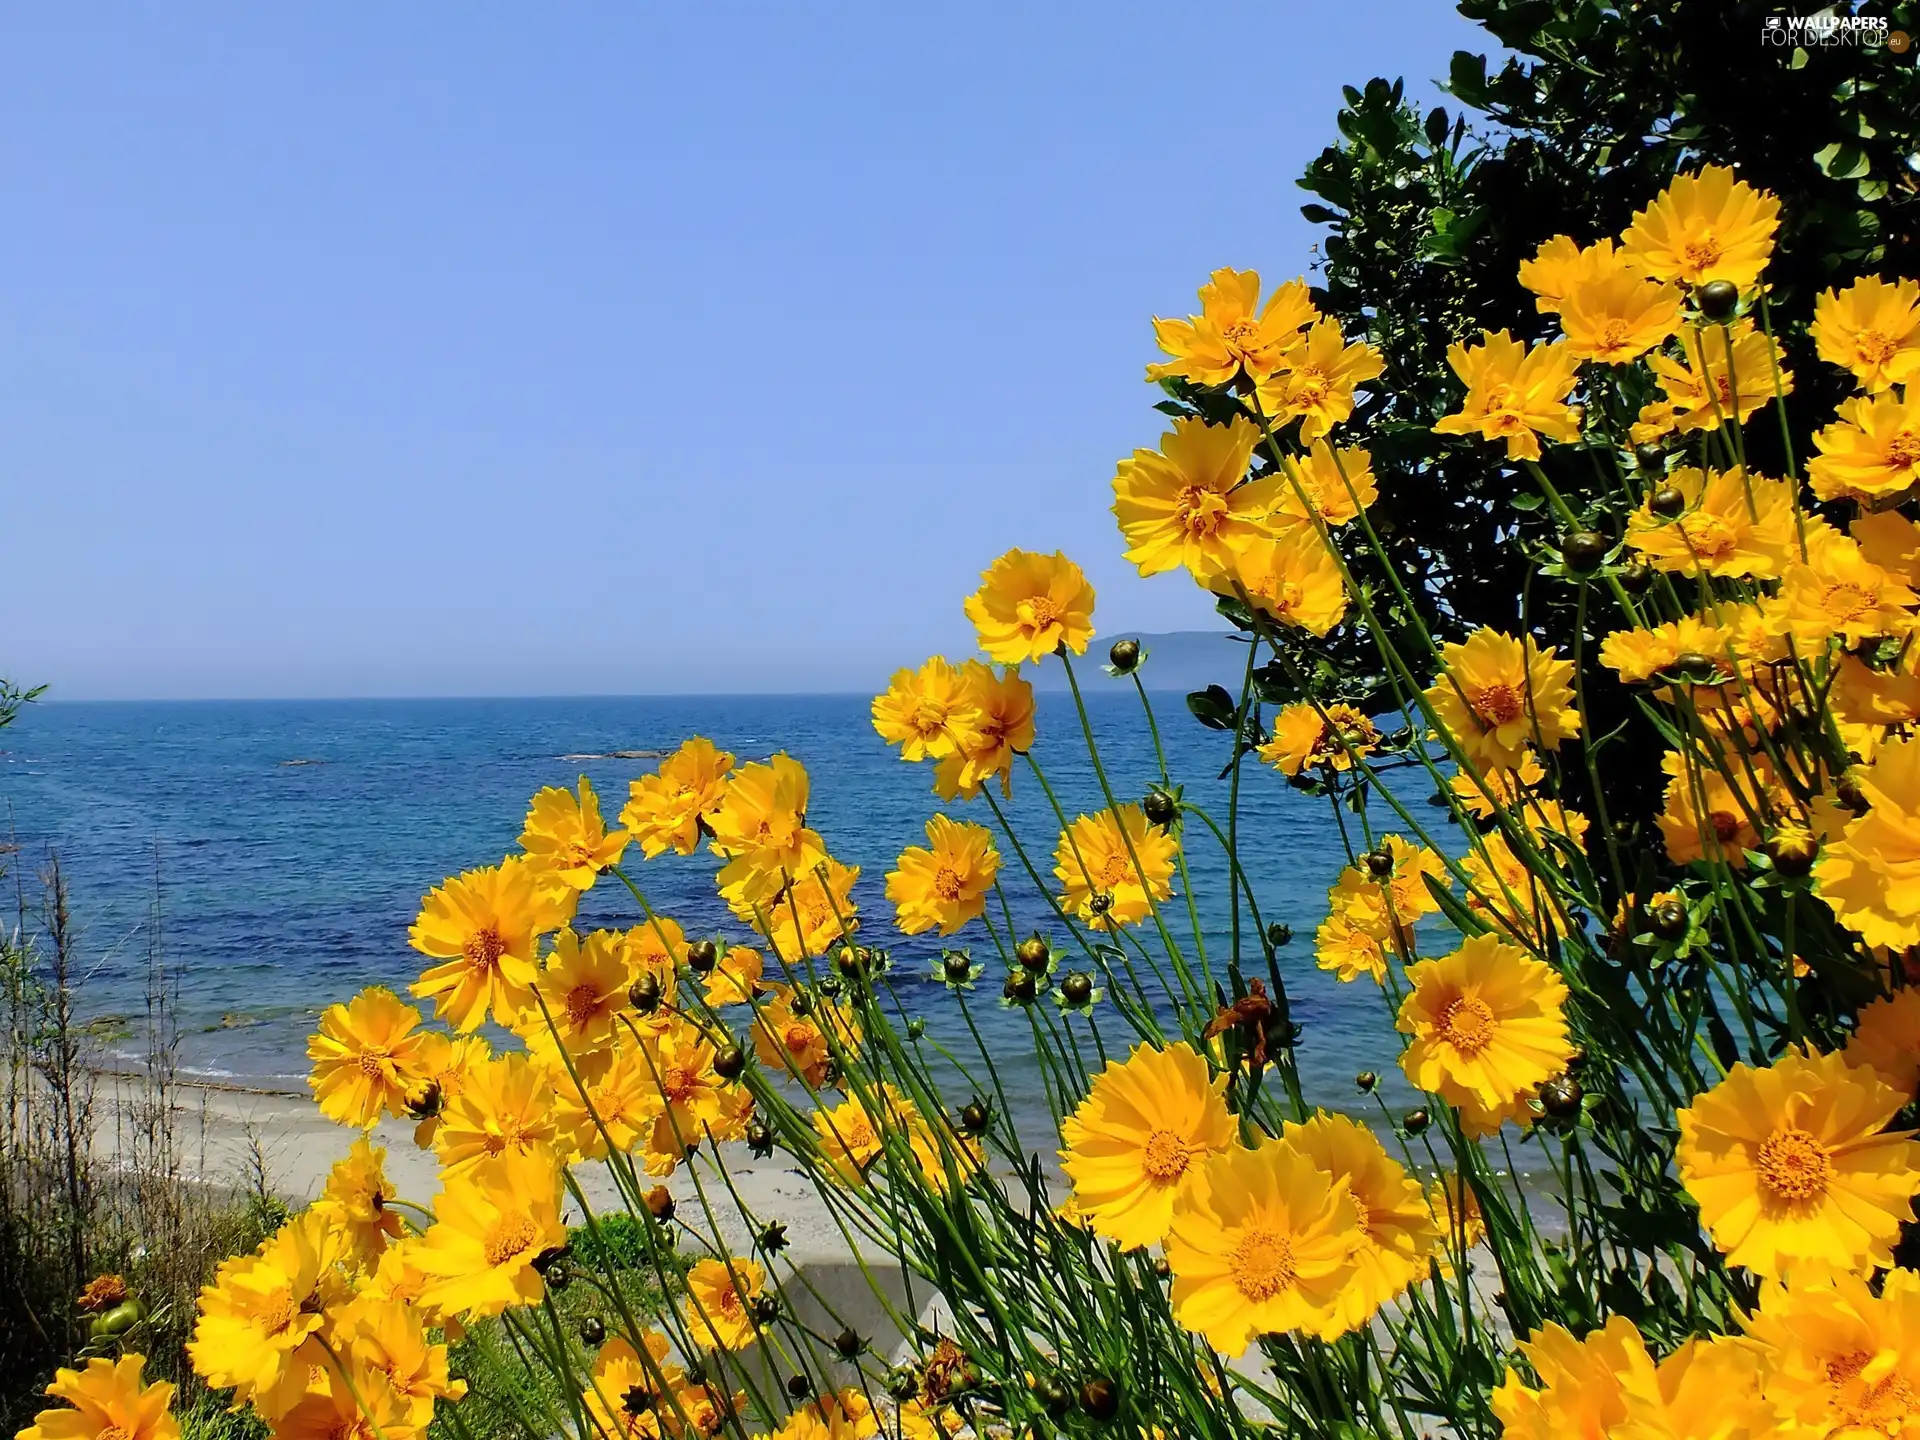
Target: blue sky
(435, 349)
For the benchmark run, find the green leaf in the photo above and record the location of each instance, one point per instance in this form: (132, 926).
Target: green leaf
(1527, 500)
(1213, 707)
(1841, 161)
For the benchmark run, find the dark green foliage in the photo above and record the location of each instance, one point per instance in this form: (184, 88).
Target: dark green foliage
(620, 1245)
(1429, 218)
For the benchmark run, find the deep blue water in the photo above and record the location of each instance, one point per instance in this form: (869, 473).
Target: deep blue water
(286, 887)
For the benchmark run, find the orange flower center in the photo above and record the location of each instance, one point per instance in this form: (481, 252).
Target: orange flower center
(1166, 1156)
(1903, 450)
(1041, 611)
(1242, 335)
(583, 1003)
(277, 1313)
(729, 1305)
(798, 1037)
(373, 1062)
(1793, 1166)
(112, 1432)
(1880, 1406)
(1874, 347)
(1497, 704)
(1615, 336)
(929, 716)
(1709, 537)
(1114, 872)
(1702, 252)
(485, 949)
(510, 1135)
(1263, 1263)
(946, 884)
(510, 1237)
(1726, 825)
(1467, 1024)
(1285, 597)
(1201, 511)
(1308, 386)
(1848, 602)
(677, 1082)
(1502, 400)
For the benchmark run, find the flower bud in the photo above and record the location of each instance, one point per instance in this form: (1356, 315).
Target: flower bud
(1365, 1081)
(1020, 987)
(973, 1117)
(1560, 1097)
(799, 1387)
(849, 1344)
(1414, 1121)
(1584, 551)
(1100, 1397)
(702, 956)
(957, 967)
(1718, 300)
(593, 1331)
(1124, 656)
(728, 1061)
(1793, 851)
(1380, 863)
(1670, 920)
(1032, 953)
(1667, 502)
(1279, 935)
(644, 994)
(1159, 807)
(1077, 988)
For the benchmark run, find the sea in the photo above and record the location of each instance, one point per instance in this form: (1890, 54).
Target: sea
(275, 852)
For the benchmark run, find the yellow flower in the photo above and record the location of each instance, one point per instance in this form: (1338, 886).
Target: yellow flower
(926, 712)
(1872, 328)
(1639, 655)
(1002, 729)
(1186, 503)
(1708, 1389)
(1292, 577)
(1309, 735)
(566, 834)
(1510, 789)
(1336, 484)
(1872, 452)
(1870, 876)
(815, 912)
(369, 1410)
(1583, 1383)
(793, 1041)
(1501, 887)
(719, 1303)
(259, 1318)
(1140, 1140)
(388, 1340)
(1560, 266)
(1837, 592)
(1886, 1039)
(1793, 1165)
(106, 1401)
(760, 829)
(1486, 1022)
(1315, 381)
(1704, 227)
(1403, 893)
(1838, 1359)
(1233, 333)
(735, 979)
(582, 988)
(1616, 317)
(504, 1108)
(365, 1056)
(443, 1064)
(1499, 695)
(483, 925)
(1706, 817)
(1514, 394)
(1099, 879)
(664, 810)
(692, 1100)
(1396, 1229)
(853, 1136)
(357, 1197)
(1456, 1216)
(1352, 941)
(1733, 524)
(490, 1225)
(626, 1396)
(847, 1415)
(1701, 391)
(1263, 1244)
(1029, 605)
(945, 886)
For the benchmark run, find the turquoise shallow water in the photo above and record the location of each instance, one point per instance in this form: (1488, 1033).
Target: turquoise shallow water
(288, 886)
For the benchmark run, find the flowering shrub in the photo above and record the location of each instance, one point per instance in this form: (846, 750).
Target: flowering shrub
(1700, 1018)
